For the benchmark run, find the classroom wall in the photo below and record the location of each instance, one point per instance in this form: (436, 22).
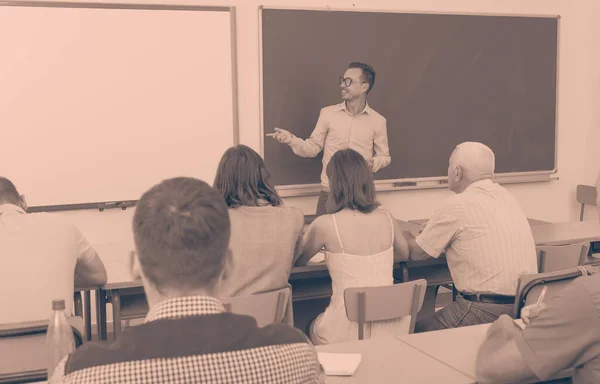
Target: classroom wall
(578, 109)
(578, 116)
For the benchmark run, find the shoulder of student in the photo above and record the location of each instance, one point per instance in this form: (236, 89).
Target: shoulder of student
(322, 223)
(295, 213)
(280, 333)
(54, 219)
(587, 284)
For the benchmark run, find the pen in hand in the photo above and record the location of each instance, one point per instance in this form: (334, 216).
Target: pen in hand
(541, 298)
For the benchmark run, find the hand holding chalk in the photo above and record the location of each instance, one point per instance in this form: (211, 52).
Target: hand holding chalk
(282, 136)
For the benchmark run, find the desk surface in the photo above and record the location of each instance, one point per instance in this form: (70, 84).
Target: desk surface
(388, 360)
(116, 255)
(564, 233)
(456, 347)
(532, 222)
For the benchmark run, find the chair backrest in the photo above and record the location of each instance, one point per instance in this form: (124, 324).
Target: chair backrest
(366, 304)
(266, 307)
(530, 286)
(557, 257)
(23, 352)
(586, 194)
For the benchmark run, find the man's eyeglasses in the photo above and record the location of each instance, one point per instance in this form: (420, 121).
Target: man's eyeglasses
(347, 81)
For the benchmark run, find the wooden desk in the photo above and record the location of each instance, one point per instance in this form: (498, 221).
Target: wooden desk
(565, 233)
(532, 222)
(455, 347)
(128, 298)
(308, 282)
(387, 360)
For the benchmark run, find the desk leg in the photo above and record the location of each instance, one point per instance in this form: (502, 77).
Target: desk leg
(116, 306)
(428, 308)
(101, 313)
(87, 314)
(77, 304)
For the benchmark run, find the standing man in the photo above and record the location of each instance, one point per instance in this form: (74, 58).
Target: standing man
(350, 124)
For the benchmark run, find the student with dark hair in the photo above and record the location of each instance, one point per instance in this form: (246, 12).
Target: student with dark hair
(350, 124)
(43, 253)
(361, 244)
(181, 231)
(265, 234)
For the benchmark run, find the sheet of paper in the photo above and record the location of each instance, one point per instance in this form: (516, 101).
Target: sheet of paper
(339, 364)
(319, 258)
(519, 323)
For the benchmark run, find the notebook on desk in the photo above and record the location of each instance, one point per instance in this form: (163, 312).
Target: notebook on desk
(339, 364)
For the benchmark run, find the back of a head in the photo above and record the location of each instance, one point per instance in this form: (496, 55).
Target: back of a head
(351, 183)
(8, 192)
(476, 160)
(243, 179)
(181, 230)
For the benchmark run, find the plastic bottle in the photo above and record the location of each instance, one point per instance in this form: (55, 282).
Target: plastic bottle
(59, 339)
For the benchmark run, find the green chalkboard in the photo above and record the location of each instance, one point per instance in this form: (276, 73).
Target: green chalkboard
(441, 79)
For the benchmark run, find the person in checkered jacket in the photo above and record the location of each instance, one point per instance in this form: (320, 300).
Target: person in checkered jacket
(181, 229)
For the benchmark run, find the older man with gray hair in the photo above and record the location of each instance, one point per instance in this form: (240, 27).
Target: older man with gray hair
(486, 238)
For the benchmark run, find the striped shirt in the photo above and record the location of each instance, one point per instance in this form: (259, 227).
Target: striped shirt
(193, 340)
(337, 129)
(486, 238)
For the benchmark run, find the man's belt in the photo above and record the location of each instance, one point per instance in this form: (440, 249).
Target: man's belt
(490, 298)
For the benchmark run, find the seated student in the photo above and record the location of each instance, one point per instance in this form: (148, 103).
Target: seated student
(564, 332)
(43, 257)
(265, 234)
(181, 232)
(486, 238)
(359, 241)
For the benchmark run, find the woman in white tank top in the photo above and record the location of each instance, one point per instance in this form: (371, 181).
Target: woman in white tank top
(361, 244)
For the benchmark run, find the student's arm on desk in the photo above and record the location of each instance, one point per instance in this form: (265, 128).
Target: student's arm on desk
(414, 249)
(89, 270)
(313, 241)
(438, 233)
(499, 359)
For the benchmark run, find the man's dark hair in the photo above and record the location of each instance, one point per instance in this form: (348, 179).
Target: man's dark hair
(351, 183)
(368, 73)
(8, 192)
(243, 179)
(181, 230)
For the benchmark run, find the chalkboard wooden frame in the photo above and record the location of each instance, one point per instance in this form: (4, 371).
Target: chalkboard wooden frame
(124, 204)
(418, 182)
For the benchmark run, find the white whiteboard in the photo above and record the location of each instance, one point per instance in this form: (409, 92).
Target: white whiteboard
(99, 104)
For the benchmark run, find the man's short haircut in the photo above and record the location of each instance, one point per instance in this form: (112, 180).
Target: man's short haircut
(242, 178)
(181, 230)
(351, 183)
(8, 192)
(368, 73)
